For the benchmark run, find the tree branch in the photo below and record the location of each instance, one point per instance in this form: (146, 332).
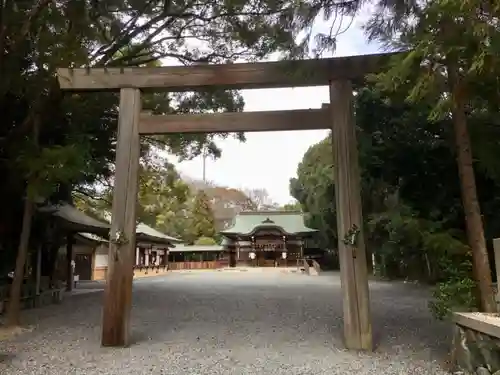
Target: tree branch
(94, 197)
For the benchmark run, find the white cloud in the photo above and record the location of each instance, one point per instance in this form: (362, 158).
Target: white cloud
(269, 160)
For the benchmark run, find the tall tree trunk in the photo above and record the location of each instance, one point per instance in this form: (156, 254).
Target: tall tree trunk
(13, 308)
(473, 219)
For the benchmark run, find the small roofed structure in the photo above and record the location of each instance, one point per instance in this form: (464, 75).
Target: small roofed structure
(92, 237)
(267, 238)
(87, 244)
(145, 233)
(197, 257)
(74, 220)
(151, 251)
(88, 251)
(91, 253)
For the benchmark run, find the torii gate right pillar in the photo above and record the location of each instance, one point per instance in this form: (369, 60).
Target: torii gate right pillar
(352, 253)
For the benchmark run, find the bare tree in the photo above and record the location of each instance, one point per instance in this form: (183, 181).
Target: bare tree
(261, 199)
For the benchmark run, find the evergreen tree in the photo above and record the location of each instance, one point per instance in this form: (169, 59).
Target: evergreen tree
(201, 221)
(452, 46)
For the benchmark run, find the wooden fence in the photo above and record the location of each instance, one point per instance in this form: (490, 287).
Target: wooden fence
(208, 265)
(29, 297)
(266, 263)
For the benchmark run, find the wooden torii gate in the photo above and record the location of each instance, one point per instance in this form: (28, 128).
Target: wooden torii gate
(338, 73)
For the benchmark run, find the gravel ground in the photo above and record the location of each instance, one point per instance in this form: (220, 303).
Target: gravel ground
(233, 323)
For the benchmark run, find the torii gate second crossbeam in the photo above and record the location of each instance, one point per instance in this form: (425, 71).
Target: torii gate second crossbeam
(338, 73)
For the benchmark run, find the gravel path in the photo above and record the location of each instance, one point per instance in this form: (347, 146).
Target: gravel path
(232, 323)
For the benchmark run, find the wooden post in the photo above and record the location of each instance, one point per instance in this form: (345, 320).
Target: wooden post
(38, 274)
(69, 260)
(118, 293)
(496, 248)
(353, 267)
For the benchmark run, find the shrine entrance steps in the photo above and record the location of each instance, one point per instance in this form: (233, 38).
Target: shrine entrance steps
(309, 267)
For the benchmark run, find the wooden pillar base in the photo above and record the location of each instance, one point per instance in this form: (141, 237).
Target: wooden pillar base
(496, 248)
(352, 253)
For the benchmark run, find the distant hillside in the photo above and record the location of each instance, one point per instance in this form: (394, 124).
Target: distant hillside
(226, 202)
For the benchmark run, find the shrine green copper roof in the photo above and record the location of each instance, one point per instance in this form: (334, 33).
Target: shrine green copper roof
(289, 222)
(146, 233)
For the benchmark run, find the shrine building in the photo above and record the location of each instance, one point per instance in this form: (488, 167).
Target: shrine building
(267, 239)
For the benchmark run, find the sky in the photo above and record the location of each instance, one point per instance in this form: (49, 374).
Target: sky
(269, 159)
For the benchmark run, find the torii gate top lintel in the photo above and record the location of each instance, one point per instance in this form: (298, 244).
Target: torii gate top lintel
(293, 73)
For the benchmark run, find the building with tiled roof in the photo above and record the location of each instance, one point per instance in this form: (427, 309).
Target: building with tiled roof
(267, 238)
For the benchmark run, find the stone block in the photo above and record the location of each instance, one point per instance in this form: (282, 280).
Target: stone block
(482, 371)
(474, 351)
(490, 352)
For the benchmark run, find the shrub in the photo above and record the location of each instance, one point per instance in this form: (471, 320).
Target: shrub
(407, 246)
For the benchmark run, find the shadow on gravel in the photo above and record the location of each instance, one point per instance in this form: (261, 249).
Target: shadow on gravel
(138, 337)
(6, 358)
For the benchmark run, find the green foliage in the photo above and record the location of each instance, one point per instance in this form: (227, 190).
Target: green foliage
(163, 198)
(48, 168)
(440, 33)
(93, 203)
(455, 294)
(294, 206)
(314, 190)
(39, 36)
(201, 222)
(418, 249)
(74, 150)
(450, 47)
(414, 216)
(468, 43)
(456, 290)
(205, 241)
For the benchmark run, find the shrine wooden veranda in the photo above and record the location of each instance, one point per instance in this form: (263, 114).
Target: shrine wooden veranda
(338, 73)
